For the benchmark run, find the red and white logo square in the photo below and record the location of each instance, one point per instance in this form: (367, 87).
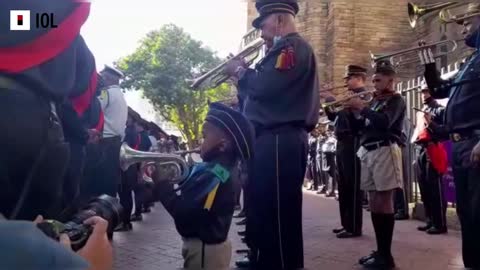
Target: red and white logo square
(20, 20)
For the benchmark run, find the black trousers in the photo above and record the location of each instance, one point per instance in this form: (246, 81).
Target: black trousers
(315, 173)
(74, 174)
(141, 197)
(431, 190)
(400, 202)
(129, 180)
(102, 172)
(322, 176)
(349, 194)
(332, 174)
(467, 186)
(274, 216)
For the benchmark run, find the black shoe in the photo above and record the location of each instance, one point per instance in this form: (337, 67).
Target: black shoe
(136, 217)
(366, 258)
(346, 234)
(124, 227)
(243, 263)
(401, 216)
(242, 222)
(380, 262)
(425, 227)
(242, 233)
(330, 194)
(240, 215)
(338, 230)
(146, 210)
(435, 230)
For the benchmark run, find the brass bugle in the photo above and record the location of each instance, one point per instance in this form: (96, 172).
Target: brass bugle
(393, 56)
(129, 156)
(338, 105)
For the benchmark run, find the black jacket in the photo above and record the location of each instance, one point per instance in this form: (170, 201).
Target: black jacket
(463, 110)
(191, 218)
(436, 127)
(272, 96)
(383, 121)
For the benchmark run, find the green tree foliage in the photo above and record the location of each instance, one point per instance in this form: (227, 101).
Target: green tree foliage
(161, 67)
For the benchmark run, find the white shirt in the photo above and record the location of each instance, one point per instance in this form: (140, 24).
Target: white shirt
(154, 142)
(115, 110)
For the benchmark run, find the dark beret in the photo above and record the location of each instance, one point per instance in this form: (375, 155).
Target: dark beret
(385, 68)
(233, 123)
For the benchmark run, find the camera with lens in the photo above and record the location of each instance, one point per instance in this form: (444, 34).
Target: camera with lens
(104, 206)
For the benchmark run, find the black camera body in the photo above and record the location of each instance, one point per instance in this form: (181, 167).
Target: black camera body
(104, 206)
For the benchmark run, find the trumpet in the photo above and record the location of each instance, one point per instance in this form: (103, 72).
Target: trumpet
(415, 12)
(446, 16)
(396, 57)
(338, 105)
(129, 156)
(217, 75)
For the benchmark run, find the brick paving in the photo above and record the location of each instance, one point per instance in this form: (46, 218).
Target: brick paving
(154, 244)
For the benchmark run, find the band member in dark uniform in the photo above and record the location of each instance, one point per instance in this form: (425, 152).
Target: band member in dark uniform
(141, 191)
(381, 159)
(431, 166)
(129, 177)
(329, 148)
(203, 206)
(285, 78)
(349, 193)
(34, 154)
(463, 123)
(312, 159)
(322, 176)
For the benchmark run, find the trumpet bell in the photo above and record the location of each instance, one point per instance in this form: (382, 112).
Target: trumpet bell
(415, 12)
(217, 76)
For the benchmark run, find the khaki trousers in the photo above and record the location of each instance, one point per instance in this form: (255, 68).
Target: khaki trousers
(197, 255)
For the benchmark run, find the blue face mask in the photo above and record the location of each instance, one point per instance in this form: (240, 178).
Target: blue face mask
(473, 40)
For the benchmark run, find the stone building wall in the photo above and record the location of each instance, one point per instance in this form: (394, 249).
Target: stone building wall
(344, 32)
(431, 30)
